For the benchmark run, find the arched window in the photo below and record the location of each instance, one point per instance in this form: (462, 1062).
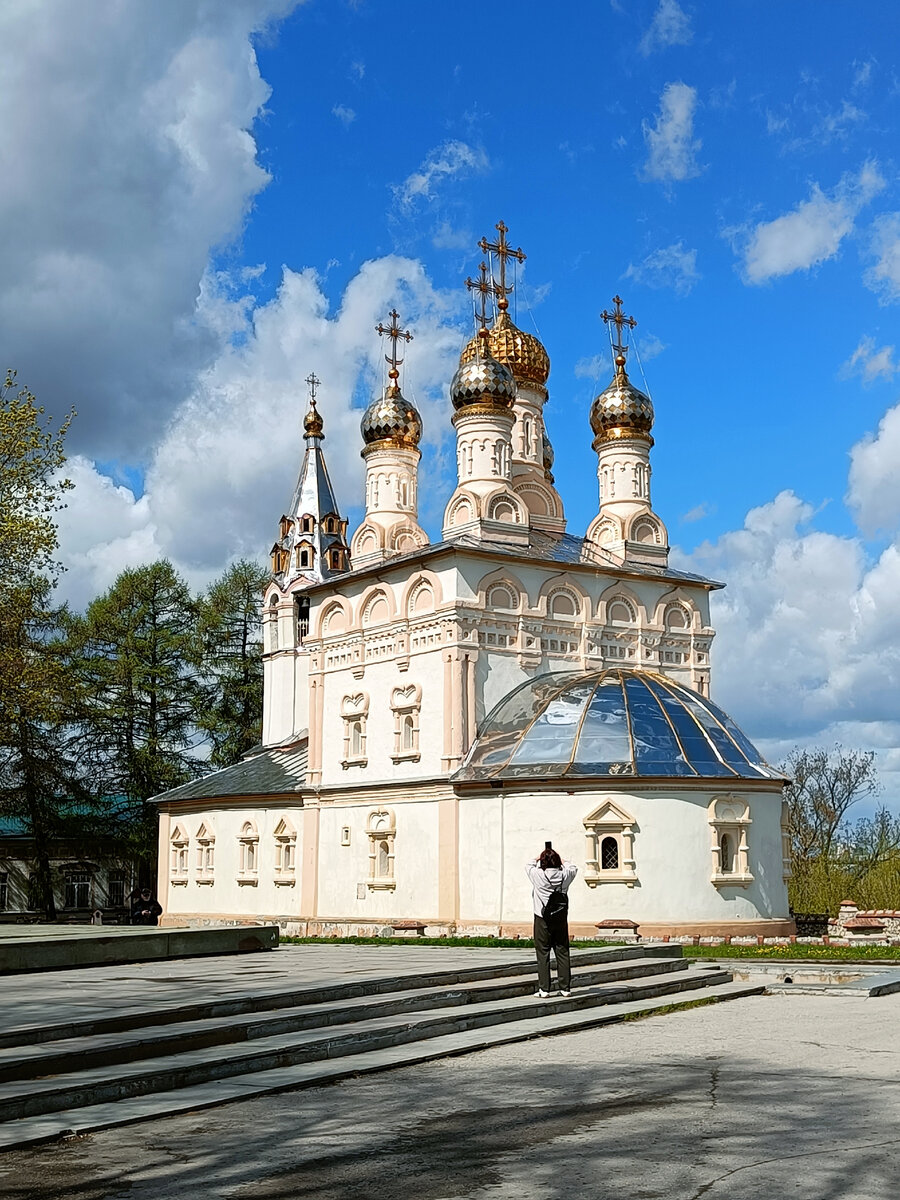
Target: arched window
(563, 604)
(355, 712)
(609, 854)
(249, 844)
(501, 597)
(408, 734)
(726, 855)
(206, 854)
(730, 821)
(406, 704)
(307, 523)
(273, 623)
(620, 611)
(356, 738)
(336, 558)
(676, 617)
(381, 830)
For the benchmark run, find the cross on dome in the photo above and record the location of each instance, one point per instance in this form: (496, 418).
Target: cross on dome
(394, 332)
(617, 318)
(313, 387)
(485, 287)
(313, 425)
(503, 250)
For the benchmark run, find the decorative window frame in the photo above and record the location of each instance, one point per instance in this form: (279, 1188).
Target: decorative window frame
(206, 855)
(381, 827)
(406, 705)
(730, 816)
(274, 615)
(355, 712)
(609, 820)
(248, 855)
(179, 857)
(285, 854)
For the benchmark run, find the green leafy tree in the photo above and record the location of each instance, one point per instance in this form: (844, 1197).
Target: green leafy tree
(39, 781)
(230, 631)
(139, 690)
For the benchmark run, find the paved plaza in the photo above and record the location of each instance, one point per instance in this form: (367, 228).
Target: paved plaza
(777, 1096)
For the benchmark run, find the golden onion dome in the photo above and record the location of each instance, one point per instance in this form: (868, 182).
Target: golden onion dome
(523, 353)
(392, 418)
(313, 425)
(622, 410)
(482, 379)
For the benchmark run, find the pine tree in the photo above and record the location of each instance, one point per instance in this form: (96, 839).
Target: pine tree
(230, 628)
(134, 652)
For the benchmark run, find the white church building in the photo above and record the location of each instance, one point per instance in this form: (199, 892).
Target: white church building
(435, 712)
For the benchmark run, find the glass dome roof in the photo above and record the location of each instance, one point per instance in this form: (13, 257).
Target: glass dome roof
(575, 724)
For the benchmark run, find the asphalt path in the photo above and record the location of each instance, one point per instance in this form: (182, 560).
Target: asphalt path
(778, 1096)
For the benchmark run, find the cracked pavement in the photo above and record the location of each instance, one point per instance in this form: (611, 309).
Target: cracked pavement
(793, 1096)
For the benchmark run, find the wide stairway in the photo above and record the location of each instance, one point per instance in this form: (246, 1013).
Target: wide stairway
(90, 1074)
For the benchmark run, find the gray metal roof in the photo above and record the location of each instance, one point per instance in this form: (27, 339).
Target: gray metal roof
(274, 771)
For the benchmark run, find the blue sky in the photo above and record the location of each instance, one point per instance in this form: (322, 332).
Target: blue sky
(210, 200)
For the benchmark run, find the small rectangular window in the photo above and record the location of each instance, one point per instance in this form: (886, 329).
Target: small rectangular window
(116, 889)
(78, 890)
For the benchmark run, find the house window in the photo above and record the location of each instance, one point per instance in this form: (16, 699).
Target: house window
(406, 705)
(609, 845)
(729, 822)
(381, 830)
(248, 853)
(285, 852)
(115, 889)
(307, 523)
(354, 712)
(206, 855)
(78, 889)
(178, 844)
(336, 559)
(4, 891)
(305, 554)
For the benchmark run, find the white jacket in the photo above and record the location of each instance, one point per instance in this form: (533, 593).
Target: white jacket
(544, 882)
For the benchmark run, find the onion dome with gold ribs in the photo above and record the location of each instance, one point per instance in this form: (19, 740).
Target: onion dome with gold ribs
(621, 410)
(313, 425)
(392, 419)
(482, 380)
(522, 352)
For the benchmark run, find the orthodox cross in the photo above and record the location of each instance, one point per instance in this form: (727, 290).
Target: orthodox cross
(485, 287)
(620, 321)
(394, 332)
(313, 387)
(503, 251)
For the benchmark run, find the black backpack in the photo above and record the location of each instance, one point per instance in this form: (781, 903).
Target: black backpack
(557, 907)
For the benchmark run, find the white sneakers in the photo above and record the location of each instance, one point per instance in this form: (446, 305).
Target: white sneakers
(565, 994)
(546, 995)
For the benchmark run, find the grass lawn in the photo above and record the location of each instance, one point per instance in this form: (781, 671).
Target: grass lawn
(797, 951)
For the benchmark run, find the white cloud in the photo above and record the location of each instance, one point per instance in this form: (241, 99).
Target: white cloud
(669, 267)
(648, 347)
(874, 484)
(593, 367)
(129, 129)
(671, 146)
(357, 69)
(670, 26)
(869, 363)
(222, 473)
(445, 237)
(862, 72)
(808, 629)
(884, 276)
(449, 160)
(345, 115)
(813, 231)
(699, 512)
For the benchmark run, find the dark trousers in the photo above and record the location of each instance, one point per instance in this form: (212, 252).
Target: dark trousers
(552, 935)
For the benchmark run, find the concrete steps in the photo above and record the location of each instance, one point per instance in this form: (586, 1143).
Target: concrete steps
(101, 1077)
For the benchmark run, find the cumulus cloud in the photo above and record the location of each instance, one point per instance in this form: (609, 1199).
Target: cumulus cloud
(450, 160)
(220, 476)
(807, 627)
(670, 26)
(884, 276)
(671, 146)
(669, 267)
(812, 233)
(345, 115)
(593, 367)
(129, 129)
(873, 493)
(870, 363)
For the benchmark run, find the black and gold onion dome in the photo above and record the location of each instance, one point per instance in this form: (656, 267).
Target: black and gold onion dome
(481, 379)
(621, 410)
(392, 418)
(522, 352)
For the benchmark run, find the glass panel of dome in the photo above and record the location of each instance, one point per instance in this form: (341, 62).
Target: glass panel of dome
(604, 741)
(551, 738)
(744, 744)
(656, 749)
(722, 740)
(506, 722)
(698, 744)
